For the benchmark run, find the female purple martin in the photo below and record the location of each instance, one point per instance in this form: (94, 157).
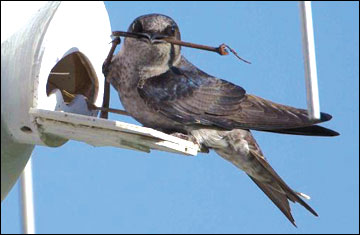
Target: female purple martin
(164, 91)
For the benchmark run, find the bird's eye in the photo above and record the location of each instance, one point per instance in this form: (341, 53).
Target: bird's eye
(137, 27)
(170, 30)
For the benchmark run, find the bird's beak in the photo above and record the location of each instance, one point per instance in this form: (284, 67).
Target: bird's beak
(145, 35)
(157, 38)
(152, 38)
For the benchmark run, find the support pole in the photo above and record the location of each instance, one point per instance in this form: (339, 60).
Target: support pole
(308, 42)
(26, 200)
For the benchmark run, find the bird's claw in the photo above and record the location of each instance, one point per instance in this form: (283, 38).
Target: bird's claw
(191, 138)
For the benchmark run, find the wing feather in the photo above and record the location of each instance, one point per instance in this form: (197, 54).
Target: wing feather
(190, 96)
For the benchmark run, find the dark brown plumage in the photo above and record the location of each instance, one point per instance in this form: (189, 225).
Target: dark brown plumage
(162, 90)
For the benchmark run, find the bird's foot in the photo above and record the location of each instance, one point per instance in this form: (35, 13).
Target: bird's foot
(190, 138)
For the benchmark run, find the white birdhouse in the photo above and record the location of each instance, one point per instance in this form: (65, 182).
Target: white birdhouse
(50, 73)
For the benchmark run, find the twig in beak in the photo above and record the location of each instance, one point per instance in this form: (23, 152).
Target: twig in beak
(235, 53)
(221, 50)
(129, 34)
(105, 68)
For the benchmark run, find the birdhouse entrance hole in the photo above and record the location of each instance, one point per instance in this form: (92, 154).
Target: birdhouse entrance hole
(73, 75)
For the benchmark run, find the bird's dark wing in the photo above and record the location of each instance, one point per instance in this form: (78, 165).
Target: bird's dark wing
(190, 96)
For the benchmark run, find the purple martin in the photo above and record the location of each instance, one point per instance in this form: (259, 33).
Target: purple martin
(162, 90)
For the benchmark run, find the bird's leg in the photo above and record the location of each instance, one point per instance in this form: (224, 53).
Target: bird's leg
(105, 70)
(191, 138)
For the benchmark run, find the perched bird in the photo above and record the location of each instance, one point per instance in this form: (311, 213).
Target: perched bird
(164, 91)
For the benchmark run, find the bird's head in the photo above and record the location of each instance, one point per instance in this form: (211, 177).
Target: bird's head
(150, 49)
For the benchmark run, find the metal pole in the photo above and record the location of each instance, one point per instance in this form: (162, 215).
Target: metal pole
(26, 200)
(307, 30)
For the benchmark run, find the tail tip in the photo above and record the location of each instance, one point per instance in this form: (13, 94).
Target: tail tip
(325, 117)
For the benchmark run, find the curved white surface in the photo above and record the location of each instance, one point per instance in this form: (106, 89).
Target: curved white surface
(29, 116)
(29, 55)
(31, 47)
(11, 22)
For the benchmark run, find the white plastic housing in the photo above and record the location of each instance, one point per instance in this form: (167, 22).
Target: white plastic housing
(62, 46)
(60, 50)
(37, 39)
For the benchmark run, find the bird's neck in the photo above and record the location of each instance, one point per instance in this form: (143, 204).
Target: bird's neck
(146, 69)
(146, 72)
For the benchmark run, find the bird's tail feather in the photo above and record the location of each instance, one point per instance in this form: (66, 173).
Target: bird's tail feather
(291, 194)
(255, 165)
(278, 198)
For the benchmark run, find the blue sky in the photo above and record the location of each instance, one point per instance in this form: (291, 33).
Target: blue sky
(85, 189)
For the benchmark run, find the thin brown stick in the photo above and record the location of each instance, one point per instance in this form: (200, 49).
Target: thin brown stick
(106, 97)
(106, 100)
(221, 50)
(107, 62)
(128, 34)
(111, 110)
(236, 54)
(91, 105)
